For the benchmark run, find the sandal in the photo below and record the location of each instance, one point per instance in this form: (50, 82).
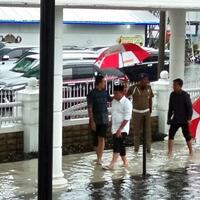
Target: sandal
(108, 167)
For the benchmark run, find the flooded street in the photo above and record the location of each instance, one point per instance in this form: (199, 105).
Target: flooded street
(167, 178)
(174, 178)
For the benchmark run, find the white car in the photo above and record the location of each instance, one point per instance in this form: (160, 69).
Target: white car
(80, 56)
(20, 68)
(10, 63)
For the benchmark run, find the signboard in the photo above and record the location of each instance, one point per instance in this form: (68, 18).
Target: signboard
(136, 39)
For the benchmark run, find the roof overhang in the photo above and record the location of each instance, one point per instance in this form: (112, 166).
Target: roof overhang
(113, 4)
(81, 16)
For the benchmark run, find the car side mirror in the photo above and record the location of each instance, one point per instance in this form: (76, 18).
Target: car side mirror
(5, 57)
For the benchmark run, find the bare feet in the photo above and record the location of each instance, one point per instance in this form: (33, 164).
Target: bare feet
(191, 153)
(126, 164)
(99, 162)
(169, 154)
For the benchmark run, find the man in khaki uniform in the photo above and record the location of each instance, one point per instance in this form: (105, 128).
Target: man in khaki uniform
(141, 94)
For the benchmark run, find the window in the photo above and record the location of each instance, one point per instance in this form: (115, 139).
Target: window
(4, 51)
(16, 53)
(83, 72)
(25, 65)
(34, 72)
(67, 73)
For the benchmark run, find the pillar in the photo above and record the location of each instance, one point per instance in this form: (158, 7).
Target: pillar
(161, 89)
(161, 55)
(30, 98)
(177, 44)
(58, 179)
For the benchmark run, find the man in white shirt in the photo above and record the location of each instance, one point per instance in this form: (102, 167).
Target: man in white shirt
(121, 115)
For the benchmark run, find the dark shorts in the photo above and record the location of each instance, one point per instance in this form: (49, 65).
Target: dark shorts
(101, 130)
(185, 129)
(119, 144)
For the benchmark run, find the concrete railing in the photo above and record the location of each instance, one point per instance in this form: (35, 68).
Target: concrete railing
(194, 93)
(24, 112)
(78, 89)
(11, 117)
(76, 114)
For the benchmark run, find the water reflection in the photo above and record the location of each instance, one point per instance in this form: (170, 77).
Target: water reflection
(181, 183)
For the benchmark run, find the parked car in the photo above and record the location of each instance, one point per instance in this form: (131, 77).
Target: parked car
(9, 64)
(77, 71)
(148, 66)
(79, 55)
(20, 68)
(13, 52)
(2, 44)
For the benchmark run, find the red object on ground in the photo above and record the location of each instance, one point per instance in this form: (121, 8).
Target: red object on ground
(121, 55)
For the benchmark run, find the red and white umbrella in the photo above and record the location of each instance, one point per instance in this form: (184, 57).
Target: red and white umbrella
(121, 55)
(195, 123)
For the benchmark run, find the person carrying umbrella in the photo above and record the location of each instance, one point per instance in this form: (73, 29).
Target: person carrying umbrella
(179, 115)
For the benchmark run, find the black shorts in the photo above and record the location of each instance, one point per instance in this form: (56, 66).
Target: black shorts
(101, 130)
(185, 129)
(119, 144)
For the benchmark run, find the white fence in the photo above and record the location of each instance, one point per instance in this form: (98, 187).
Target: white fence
(10, 117)
(7, 96)
(75, 108)
(74, 103)
(191, 84)
(80, 89)
(194, 93)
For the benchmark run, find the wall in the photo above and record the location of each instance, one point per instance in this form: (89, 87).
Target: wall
(74, 34)
(98, 34)
(11, 144)
(78, 139)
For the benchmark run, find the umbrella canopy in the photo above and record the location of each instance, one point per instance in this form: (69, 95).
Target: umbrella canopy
(121, 55)
(195, 123)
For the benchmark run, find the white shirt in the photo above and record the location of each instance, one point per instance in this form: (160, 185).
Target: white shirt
(121, 110)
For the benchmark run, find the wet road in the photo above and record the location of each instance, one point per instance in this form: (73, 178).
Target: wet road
(167, 179)
(175, 178)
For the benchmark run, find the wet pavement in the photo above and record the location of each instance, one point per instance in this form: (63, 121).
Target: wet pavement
(174, 178)
(167, 179)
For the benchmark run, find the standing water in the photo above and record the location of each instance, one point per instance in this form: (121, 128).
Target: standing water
(167, 179)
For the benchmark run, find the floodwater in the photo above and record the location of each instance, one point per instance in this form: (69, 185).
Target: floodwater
(167, 179)
(174, 178)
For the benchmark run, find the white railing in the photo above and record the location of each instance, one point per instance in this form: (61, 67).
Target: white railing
(80, 89)
(194, 93)
(155, 104)
(7, 96)
(76, 114)
(10, 114)
(191, 84)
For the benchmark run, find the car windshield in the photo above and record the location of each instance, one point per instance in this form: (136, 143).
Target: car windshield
(27, 53)
(25, 65)
(4, 51)
(34, 72)
(2, 45)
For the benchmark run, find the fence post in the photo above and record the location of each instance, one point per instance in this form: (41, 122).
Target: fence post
(30, 101)
(162, 88)
(144, 147)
